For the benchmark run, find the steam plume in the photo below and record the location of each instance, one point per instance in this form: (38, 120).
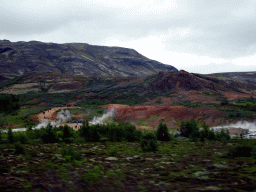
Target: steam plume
(241, 124)
(62, 116)
(103, 118)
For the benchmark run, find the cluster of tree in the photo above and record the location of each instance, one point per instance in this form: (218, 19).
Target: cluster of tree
(9, 103)
(190, 129)
(117, 132)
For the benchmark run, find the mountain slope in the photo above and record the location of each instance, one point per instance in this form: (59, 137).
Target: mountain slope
(77, 59)
(249, 77)
(183, 80)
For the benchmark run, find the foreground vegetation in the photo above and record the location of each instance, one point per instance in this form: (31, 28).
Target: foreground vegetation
(117, 157)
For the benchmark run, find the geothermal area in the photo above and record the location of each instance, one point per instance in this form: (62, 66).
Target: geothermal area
(242, 129)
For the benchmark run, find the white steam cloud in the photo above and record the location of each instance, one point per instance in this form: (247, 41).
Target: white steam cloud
(241, 124)
(103, 118)
(62, 116)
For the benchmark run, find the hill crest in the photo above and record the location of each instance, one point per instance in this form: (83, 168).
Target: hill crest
(77, 59)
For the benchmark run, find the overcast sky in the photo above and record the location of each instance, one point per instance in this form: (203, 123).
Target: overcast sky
(200, 36)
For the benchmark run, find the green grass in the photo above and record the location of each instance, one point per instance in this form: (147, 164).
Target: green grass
(93, 175)
(141, 123)
(152, 117)
(20, 118)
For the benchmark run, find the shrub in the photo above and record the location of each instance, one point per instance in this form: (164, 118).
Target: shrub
(222, 135)
(23, 138)
(162, 133)
(149, 142)
(92, 175)
(83, 131)
(240, 151)
(115, 134)
(71, 154)
(112, 151)
(224, 101)
(130, 132)
(33, 152)
(206, 133)
(189, 128)
(10, 136)
(19, 148)
(67, 135)
(49, 135)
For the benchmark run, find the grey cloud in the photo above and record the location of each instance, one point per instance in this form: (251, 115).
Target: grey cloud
(222, 28)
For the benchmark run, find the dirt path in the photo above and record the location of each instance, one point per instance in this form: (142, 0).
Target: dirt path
(51, 114)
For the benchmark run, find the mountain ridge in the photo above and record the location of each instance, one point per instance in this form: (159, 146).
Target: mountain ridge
(77, 59)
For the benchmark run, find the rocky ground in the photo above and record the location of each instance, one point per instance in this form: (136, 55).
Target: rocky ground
(178, 166)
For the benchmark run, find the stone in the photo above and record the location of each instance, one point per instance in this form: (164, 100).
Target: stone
(111, 159)
(149, 159)
(218, 153)
(206, 161)
(201, 174)
(220, 166)
(212, 188)
(136, 156)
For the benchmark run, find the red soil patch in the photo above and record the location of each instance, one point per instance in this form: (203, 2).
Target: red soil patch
(237, 95)
(171, 115)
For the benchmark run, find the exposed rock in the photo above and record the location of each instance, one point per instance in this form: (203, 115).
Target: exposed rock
(111, 159)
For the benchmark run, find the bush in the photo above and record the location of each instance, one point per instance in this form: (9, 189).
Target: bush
(222, 135)
(92, 175)
(10, 136)
(206, 133)
(19, 148)
(162, 133)
(241, 151)
(71, 154)
(83, 131)
(68, 134)
(49, 135)
(33, 153)
(189, 128)
(130, 133)
(149, 142)
(115, 134)
(23, 138)
(112, 151)
(224, 101)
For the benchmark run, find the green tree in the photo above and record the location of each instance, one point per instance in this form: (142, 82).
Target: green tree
(162, 132)
(206, 133)
(148, 142)
(10, 136)
(189, 128)
(49, 135)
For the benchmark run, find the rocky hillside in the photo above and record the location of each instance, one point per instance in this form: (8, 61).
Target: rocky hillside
(161, 82)
(77, 59)
(183, 80)
(249, 77)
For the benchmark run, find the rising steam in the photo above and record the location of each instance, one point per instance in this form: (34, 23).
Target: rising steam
(62, 116)
(103, 118)
(241, 124)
